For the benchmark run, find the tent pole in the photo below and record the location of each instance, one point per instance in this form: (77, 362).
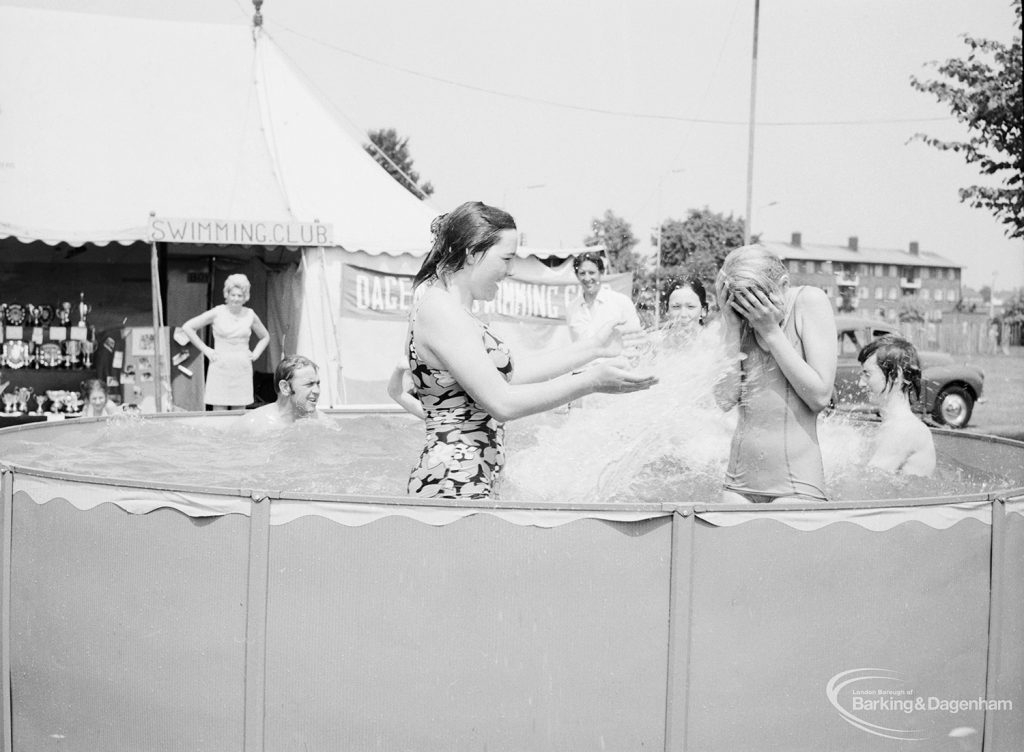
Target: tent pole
(158, 316)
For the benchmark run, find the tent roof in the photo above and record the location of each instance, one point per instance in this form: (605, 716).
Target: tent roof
(106, 120)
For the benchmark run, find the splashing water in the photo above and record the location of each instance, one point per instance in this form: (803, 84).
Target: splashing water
(671, 443)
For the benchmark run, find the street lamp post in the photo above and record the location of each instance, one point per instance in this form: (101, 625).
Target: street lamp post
(750, 143)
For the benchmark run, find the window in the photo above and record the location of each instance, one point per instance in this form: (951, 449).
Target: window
(864, 292)
(892, 293)
(925, 294)
(793, 266)
(879, 293)
(879, 270)
(893, 271)
(819, 267)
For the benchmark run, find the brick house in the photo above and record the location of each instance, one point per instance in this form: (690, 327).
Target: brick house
(875, 282)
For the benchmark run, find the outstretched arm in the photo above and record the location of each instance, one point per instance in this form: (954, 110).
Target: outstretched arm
(446, 334)
(609, 340)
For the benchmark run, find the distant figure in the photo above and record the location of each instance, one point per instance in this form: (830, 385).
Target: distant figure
(98, 404)
(890, 371)
(297, 383)
(597, 305)
(783, 339)
(402, 390)
(229, 377)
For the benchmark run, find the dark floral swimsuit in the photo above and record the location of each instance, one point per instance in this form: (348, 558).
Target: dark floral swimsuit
(464, 453)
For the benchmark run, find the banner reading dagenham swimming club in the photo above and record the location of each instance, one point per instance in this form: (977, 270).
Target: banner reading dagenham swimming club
(368, 293)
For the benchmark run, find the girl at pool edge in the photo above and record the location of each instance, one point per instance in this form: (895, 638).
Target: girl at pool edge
(784, 340)
(464, 375)
(98, 404)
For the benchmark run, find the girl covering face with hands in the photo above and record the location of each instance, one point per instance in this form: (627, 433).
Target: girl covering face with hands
(783, 339)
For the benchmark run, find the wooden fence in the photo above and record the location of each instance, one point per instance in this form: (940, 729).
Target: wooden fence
(963, 335)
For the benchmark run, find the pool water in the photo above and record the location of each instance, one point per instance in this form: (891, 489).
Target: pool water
(557, 457)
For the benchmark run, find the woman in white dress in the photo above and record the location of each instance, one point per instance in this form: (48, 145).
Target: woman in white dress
(229, 377)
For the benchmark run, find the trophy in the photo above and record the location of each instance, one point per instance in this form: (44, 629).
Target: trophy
(10, 400)
(83, 309)
(40, 401)
(64, 314)
(24, 395)
(72, 347)
(88, 348)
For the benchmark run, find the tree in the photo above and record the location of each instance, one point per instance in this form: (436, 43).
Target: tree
(984, 92)
(391, 152)
(616, 235)
(697, 245)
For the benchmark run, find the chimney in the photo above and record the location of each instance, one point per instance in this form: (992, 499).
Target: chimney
(795, 240)
(852, 244)
(915, 250)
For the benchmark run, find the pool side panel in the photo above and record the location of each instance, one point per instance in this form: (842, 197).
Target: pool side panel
(127, 631)
(782, 611)
(1005, 727)
(477, 634)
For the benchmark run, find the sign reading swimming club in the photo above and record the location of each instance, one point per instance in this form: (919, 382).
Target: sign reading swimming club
(238, 232)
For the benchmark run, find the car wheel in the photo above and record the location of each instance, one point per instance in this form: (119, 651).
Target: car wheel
(953, 407)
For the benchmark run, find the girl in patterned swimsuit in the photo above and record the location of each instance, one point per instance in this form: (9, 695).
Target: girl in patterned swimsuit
(464, 376)
(785, 341)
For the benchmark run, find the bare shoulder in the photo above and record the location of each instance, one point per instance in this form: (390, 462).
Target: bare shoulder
(813, 300)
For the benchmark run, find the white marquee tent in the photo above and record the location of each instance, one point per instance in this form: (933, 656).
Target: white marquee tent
(109, 121)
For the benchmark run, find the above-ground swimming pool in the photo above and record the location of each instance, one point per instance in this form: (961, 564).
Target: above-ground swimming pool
(189, 607)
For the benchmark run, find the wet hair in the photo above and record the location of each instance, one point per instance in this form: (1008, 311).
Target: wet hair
(753, 266)
(893, 354)
(596, 258)
(469, 229)
(92, 385)
(241, 282)
(287, 368)
(681, 284)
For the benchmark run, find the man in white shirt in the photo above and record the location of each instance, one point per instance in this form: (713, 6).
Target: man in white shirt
(596, 304)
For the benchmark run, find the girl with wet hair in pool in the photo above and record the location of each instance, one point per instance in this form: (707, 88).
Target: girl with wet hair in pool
(890, 374)
(783, 339)
(464, 376)
(686, 311)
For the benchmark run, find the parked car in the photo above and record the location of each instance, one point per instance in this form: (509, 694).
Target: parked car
(949, 389)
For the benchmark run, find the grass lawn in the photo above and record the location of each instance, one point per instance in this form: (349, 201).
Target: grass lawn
(1003, 408)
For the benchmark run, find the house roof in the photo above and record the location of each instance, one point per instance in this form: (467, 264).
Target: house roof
(819, 252)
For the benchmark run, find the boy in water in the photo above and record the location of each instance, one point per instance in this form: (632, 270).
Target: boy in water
(890, 371)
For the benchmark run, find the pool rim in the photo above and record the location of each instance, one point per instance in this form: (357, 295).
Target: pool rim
(683, 507)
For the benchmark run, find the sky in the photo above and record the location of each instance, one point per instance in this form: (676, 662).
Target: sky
(559, 110)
